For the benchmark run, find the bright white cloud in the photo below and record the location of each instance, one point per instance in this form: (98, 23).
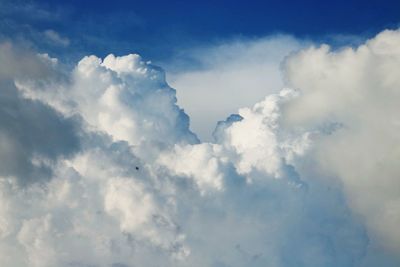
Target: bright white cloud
(114, 177)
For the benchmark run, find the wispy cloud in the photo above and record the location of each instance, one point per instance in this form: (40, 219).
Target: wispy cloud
(56, 38)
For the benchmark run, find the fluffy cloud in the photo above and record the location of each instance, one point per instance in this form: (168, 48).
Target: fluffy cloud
(359, 89)
(99, 203)
(99, 167)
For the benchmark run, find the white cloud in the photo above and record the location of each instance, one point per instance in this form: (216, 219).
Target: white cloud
(128, 184)
(358, 88)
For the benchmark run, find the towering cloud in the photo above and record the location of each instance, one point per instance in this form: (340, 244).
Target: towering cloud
(99, 167)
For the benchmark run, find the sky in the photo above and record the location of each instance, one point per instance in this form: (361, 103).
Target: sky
(174, 34)
(161, 28)
(212, 134)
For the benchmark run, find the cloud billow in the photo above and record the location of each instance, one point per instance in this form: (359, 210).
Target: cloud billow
(116, 178)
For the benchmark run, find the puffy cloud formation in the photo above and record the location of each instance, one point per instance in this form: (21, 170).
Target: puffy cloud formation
(360, 90)
(99, 167)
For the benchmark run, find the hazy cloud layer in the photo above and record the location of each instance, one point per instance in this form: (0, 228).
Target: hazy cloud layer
(99, 167)
(243, 71)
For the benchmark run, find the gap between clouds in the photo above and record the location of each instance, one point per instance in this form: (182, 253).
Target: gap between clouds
(215, 81)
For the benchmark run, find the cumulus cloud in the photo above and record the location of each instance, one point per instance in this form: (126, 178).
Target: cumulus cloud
(358, 88)
(99, 166)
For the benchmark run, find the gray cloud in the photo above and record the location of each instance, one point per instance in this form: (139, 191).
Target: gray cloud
(33, 135)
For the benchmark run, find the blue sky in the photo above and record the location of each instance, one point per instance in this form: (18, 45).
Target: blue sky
(158, 29)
